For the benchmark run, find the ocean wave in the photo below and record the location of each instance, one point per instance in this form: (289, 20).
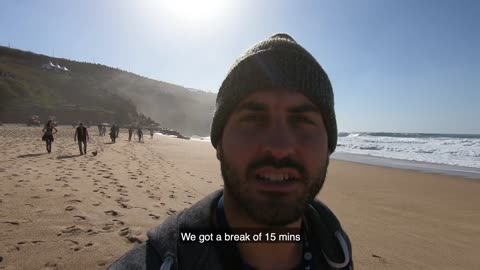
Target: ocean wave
(411, 135)
(371, 147)
(442, 150)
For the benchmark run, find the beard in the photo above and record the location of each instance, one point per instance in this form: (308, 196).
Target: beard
(272, 209)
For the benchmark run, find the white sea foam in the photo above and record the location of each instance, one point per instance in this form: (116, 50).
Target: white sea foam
(459, 151)
(198, 138)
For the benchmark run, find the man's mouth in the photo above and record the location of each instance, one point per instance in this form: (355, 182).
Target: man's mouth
(273, 175)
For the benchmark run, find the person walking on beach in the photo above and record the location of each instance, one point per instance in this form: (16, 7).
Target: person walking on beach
(273, 130)
(130, 132)
(151, 133)
(113, 133)
(48, 132)
(140, 134)
(81, 134)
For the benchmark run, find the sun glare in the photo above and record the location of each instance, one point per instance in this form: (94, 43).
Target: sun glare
(195, 11)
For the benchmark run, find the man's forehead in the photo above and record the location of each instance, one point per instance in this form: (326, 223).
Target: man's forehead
(274, 98)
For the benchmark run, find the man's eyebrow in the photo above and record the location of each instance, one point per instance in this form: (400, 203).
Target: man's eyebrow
(252, 106)
(304, 108)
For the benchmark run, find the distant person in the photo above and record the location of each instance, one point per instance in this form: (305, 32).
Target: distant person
(273, 130)
(100, 130)
(151, 133)
(113, 133)
(140, 134)
(104, 130)
(117, 130)
(130, 133)
(81, 134)
(48, 132)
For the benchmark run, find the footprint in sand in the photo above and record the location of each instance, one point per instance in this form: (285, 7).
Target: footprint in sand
(124, 231)
(12, 222)
(380, 258)
(122, 199)
(154, 216)
(80, 218)
(118, 222)
(102, 263)
(12, 248)
(53, 266)
(73, 245)
(124, 205)
(91, 232)
(112, 213)
(171, 212)
(72, 230)
(130, 236)
(70, 208)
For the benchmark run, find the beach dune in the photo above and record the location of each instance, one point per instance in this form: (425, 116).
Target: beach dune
(66, 211)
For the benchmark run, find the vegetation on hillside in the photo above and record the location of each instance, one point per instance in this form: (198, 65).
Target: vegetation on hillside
(96, 93)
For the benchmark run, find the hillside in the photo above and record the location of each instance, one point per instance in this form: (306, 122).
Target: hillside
(96, 93)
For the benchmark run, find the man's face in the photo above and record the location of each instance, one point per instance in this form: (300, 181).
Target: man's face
(274, 155)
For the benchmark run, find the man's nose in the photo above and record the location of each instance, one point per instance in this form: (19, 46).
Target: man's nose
(279, 140)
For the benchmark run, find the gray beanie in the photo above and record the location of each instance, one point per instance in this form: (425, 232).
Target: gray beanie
(275, 63)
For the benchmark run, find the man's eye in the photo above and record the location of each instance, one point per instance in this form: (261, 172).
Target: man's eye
(252, 118)
(302, 119)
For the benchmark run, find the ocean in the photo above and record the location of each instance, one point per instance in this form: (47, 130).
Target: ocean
(449, 149)
(452, 154)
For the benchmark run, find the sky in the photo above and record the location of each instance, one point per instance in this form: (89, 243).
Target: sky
(395, 66)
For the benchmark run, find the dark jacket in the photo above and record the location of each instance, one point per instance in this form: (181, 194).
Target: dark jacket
(81, 133)
(164, 251)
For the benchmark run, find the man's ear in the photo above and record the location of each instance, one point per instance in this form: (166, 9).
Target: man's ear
(219, 151)
(328, 158)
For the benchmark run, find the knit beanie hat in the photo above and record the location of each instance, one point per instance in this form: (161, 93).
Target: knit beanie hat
(278, 62)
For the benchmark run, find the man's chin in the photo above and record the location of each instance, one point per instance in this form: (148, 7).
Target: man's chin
(273, 210)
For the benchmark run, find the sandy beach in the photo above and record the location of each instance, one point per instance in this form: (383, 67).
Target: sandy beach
(66, 211)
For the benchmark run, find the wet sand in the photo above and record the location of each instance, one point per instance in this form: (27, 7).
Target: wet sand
(66, 211)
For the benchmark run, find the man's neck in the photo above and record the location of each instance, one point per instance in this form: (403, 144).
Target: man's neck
(263, 255)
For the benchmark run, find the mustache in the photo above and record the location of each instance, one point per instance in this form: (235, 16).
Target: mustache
(269, 160)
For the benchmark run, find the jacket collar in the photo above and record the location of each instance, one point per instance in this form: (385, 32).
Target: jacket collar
(325, 229)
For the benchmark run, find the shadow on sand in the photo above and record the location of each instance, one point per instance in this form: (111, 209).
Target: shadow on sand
(109, 143)
(32, 155)
(68, 156)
